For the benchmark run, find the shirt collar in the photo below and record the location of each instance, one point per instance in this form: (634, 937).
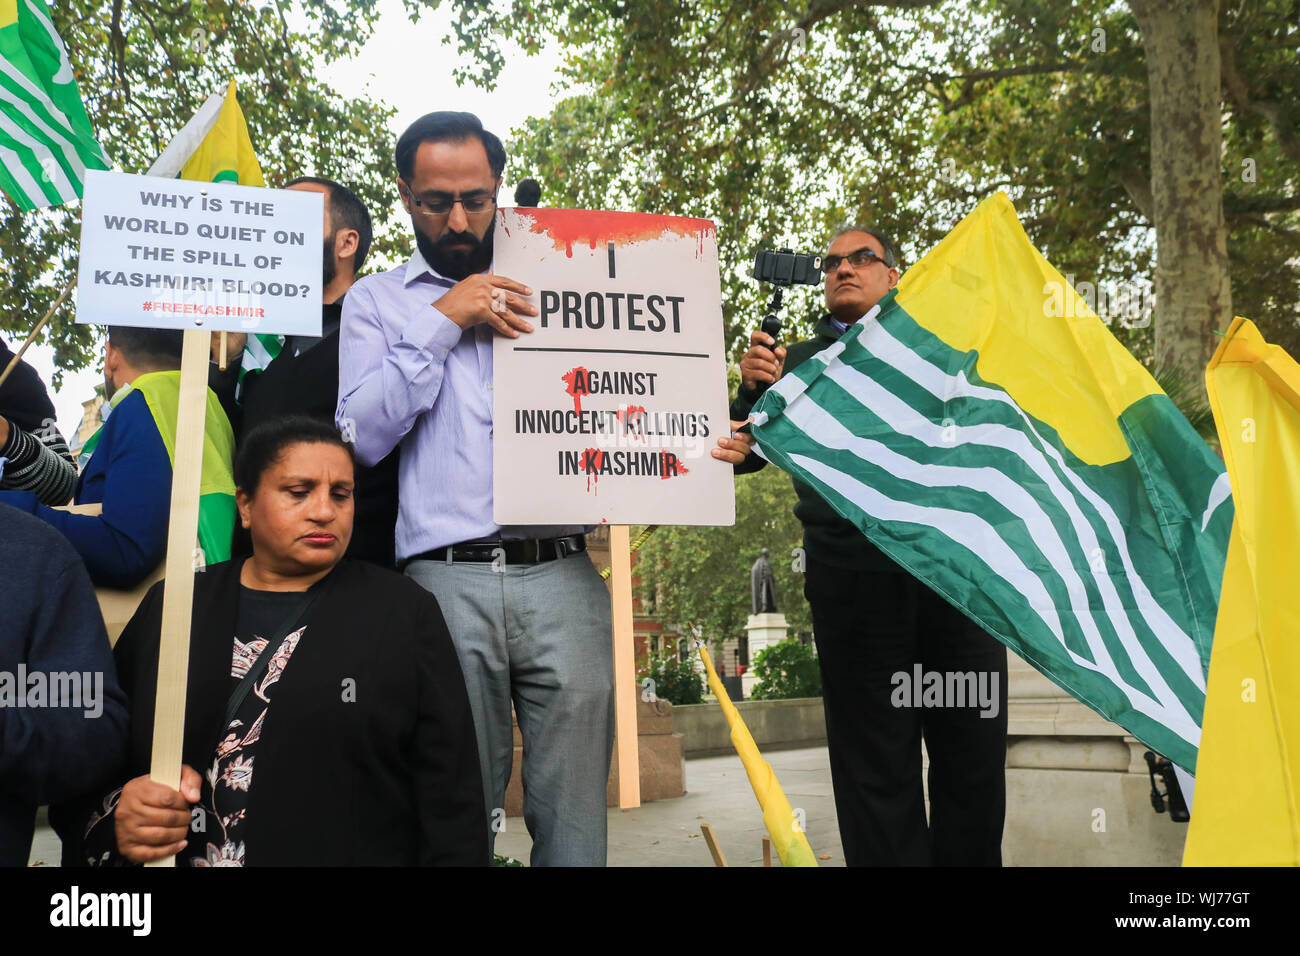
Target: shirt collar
(416, 267)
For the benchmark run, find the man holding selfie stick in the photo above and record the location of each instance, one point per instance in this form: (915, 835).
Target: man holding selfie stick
(872, 621)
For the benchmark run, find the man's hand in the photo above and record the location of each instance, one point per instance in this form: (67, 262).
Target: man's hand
(489, 298)
(760, 363)
(235, 342)
(4, 431)
(735, 448)
(153, 820)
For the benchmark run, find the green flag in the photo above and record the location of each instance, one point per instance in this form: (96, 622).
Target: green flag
(982, 427)
(46, 143)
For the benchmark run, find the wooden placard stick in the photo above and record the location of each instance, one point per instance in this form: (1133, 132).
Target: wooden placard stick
(178, 589)
(222, 364)
(714, 848)
(627, 749)
(13, 362)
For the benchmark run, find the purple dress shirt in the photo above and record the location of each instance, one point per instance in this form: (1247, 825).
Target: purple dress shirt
(410, 376)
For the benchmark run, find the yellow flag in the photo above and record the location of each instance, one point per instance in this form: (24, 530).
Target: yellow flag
(226, 154)
(1244, 806)
(785, 828)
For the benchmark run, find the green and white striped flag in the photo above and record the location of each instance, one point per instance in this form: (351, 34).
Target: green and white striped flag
(46, 143)
(261, 350)
(984, 428)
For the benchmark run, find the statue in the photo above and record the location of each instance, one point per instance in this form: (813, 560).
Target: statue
(762, 585)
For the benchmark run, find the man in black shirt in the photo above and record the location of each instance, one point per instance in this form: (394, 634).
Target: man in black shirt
(304, 378)
(874, 621)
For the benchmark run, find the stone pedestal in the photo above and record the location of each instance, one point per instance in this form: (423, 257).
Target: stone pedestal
(764, 630)
(1077, 787)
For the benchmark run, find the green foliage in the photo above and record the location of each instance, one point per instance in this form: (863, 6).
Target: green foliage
(145, 67)
(780, 121)
(697, 576)
(1186, 392)
(678, 682)
(786, 670)
(499, 860)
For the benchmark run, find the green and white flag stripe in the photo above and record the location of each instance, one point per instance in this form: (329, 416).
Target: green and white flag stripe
(1078, 568)
(46, 142)
(261, 350)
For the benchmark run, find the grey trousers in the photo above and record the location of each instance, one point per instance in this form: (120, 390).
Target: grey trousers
(537, 635)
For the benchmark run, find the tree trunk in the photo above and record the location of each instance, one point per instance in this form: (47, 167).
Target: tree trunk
(1193, 294)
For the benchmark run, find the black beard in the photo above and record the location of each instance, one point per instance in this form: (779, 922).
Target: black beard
(329, 270)
(455, 264)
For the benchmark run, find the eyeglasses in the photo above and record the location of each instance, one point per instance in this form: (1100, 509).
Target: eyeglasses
(858, 259)
(441, 205)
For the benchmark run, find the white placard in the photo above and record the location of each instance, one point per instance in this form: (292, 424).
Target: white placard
(178, 254)
(608, 410)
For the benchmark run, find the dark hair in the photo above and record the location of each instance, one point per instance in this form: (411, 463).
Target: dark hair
(528, 192)
(347, 211)
(446, 126)
(155, 349)
(265, 445)
(891, 251)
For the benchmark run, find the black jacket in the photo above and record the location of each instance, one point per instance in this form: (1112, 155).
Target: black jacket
(827, 536)
(50, 625)
(308, 384)
(388, 778)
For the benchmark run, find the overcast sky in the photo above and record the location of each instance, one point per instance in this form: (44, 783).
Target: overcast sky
(403, 65)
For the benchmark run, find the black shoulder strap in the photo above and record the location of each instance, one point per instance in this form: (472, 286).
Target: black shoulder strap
(292, 621)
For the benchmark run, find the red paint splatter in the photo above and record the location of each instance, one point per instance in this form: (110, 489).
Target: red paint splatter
(576, 388)
(592, 459)
(676, 463)
(628, 414)
(565, 227)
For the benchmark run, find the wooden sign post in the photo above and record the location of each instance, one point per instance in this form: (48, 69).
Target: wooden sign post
(627, 749)
(262, 277)
(605, 413)
(178, 589)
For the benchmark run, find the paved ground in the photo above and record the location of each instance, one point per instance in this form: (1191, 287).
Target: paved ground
(667, 832)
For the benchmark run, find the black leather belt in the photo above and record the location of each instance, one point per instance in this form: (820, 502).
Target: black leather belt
(528, 551)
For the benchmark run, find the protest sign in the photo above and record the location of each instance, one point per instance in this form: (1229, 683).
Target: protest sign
(608, 410)
(182, 254)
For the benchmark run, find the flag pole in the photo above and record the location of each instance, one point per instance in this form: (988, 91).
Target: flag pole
(13, 362)
(178, 587)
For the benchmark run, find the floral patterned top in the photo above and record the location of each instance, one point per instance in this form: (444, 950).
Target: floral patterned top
(227, 782)
(217, 819)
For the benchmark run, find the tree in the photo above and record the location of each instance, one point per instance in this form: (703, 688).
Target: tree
(1182, 51)
(781, 120)
(146, 66)
(700, 576)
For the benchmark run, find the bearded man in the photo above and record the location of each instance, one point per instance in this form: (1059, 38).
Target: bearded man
(526, 609)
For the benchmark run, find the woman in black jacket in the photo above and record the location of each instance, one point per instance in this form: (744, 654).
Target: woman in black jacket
(351, 743)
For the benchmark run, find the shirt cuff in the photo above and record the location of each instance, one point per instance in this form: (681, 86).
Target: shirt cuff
(443, 334)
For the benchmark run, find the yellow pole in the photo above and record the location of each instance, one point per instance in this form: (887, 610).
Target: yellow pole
(787, 835)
